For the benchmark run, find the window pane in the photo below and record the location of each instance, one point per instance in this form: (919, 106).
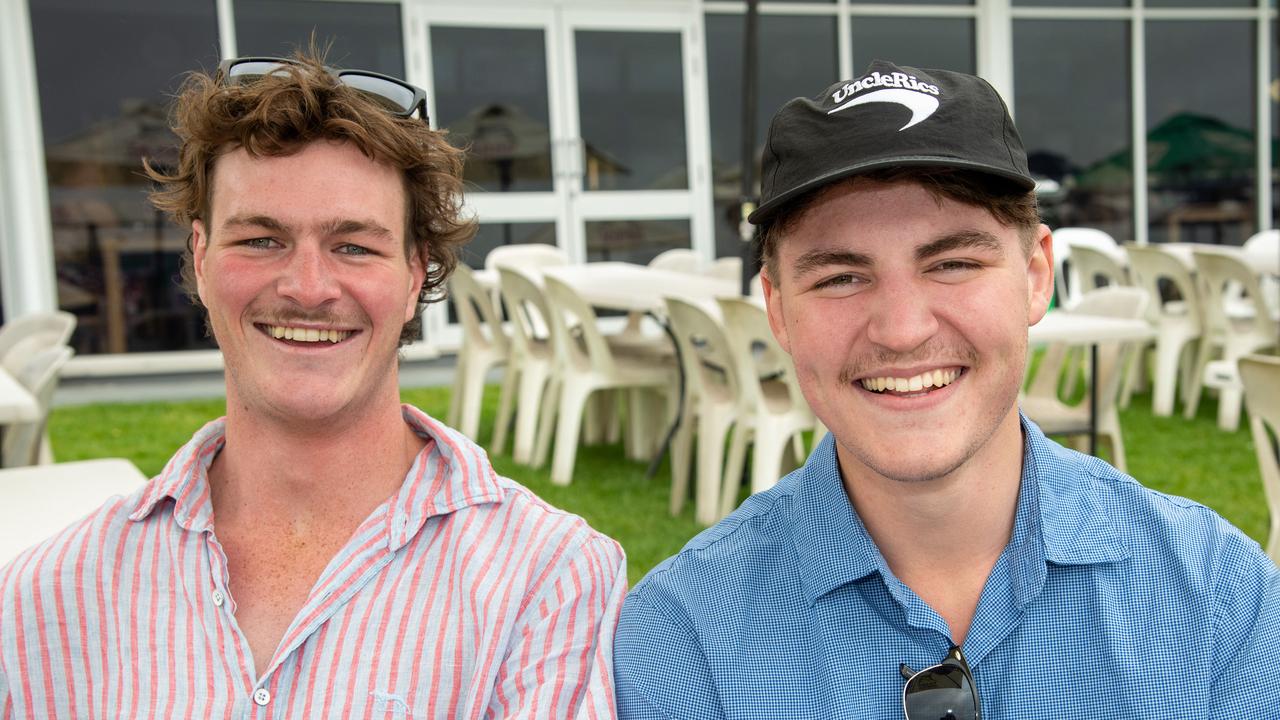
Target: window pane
(945, 43)
(1093, 169)
(634, 241)
(809, 44)
(1201, 158)
(631, 110)
(364, 35)
(491, 88)
(106, 72)
(1275, 128)
(925, 2)
(1206, 4)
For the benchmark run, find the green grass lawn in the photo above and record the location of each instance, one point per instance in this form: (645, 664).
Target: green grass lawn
(1190, 458)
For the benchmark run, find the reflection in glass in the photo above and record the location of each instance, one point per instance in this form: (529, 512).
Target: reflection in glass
(945, 43)
(106, 72)
(359, 35)
(491, 92)
(631, 104)
(1091, 172)
(634, 241)
(809, 45)
(1201, 158)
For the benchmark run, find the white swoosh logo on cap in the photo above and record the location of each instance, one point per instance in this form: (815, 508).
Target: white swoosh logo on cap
(920, 105)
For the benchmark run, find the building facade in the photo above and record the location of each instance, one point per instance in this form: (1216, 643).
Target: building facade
(611, 129)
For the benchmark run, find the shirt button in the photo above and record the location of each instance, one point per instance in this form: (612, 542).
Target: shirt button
(261, 696)
(218, 598)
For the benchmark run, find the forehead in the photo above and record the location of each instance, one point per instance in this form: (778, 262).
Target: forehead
(324, 175)
(885, 219)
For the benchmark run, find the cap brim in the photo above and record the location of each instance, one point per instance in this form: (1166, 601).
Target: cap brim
(767, 210)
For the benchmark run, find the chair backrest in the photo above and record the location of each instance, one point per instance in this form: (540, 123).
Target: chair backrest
(527, 307)
(481, 325)
(1097, 268)
(756, 352)
(705, 354)
(39, 375)
(1066, 279)
(677, 259)
(1261, 377)
(527, 255)
(22, 337)
(726, 268)
(1217, 270)
(1264, 250)
(579, 345)
(1150, 265)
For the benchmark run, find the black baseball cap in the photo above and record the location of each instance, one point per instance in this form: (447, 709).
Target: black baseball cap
(891, 116)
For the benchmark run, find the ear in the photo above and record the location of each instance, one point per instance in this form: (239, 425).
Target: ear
(1040, 275)
(418, 275)
(773, 305)
(199, 249)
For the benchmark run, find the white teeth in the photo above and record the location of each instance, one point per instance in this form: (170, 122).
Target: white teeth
(307, 334)
(932, 378)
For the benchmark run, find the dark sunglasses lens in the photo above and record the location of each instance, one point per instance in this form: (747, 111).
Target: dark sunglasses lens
(393, 96)
(940, 693)
(252, 69)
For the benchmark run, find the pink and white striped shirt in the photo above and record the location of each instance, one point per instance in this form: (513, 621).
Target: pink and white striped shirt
(462, 596)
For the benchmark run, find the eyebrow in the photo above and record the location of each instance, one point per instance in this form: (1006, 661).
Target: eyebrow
(817, 259)
(963, 240)
(329, 228)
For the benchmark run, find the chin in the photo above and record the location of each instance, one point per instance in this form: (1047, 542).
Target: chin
(901, 469)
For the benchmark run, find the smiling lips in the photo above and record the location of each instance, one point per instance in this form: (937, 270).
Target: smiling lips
(929, 379)
(283, 332)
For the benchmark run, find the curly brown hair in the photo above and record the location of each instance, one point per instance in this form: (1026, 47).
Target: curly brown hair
(278, 114)
(1015, 209)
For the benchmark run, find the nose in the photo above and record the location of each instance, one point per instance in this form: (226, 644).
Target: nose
(307, 278)
(902, 316)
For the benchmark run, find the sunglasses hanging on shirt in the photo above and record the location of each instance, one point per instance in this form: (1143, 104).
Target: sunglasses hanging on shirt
(945, 691)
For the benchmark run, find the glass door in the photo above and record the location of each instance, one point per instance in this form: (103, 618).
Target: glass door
(580, 126)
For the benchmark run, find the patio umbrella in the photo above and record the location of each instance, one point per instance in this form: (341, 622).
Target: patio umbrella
(503, 143)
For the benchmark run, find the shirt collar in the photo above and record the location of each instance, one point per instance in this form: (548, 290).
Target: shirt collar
(1059, 519)
(450, 473)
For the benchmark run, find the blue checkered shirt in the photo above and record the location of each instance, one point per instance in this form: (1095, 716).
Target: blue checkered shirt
(1110, 601)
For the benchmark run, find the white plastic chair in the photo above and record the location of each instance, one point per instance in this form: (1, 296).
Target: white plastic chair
(726, 268)
(39, 375)
(677, 260)
(584, 364)
(24, 336)
(532, 356)
(772, 411)
(1263, 252)
(711, 403)
(525, 256)
(1233, 337)
(1041, 402)
(1066, 274)
(1178, 323)
(484, 346)
(1260, 375)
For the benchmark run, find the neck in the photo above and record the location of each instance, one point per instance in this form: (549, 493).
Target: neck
(950, 527)
(310, 476)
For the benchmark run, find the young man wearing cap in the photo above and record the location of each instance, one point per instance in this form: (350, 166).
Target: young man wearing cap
(323, 551)
(936, 556)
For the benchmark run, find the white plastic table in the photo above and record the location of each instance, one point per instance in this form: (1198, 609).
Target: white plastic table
(38, 501)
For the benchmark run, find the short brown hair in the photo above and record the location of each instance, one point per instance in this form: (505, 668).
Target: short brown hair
(280, 113)
(1012, 208)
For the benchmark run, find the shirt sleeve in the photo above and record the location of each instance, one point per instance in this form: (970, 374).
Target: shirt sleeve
(559, 663)
(660, 670)
(1246, 634)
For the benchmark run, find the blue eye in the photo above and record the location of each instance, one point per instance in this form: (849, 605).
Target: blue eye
(349, 249)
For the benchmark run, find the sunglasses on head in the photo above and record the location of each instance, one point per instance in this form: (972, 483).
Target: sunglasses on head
(945, 691)
(397, 96)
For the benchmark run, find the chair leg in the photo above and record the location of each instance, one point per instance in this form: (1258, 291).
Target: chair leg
(531, 390)
(1229, 400)
(472, 397)
(502, 425)
(732, 481)
(681, 452)
(455, 395)
(1197, 378)
(573, 402)
(710, 473)
(1166, 380)
(550, 401)
(766, 461)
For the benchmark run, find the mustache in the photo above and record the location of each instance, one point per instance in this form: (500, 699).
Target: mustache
(935, 354)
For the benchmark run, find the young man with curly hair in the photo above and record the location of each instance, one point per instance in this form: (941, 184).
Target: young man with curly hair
(323, 550)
